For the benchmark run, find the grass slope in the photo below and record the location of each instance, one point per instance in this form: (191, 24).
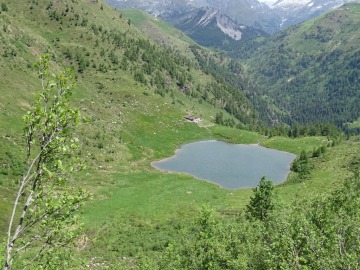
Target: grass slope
(157, 29)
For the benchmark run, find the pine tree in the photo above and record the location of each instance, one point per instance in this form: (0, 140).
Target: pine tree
(261, 203)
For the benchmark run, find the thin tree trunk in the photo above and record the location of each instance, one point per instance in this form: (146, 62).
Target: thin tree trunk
(11, 239)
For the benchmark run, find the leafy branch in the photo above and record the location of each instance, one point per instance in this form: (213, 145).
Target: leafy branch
(44, 211)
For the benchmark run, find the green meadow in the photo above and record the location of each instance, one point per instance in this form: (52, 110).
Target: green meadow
(147, 208)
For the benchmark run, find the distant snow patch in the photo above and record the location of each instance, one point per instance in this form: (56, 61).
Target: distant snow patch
(282, 22)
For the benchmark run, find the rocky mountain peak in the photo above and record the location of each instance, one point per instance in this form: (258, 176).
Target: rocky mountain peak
(210, 14)
(297, 11)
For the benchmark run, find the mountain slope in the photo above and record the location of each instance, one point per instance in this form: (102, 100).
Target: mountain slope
(249, 12)
(134, 91)
(158, 8)
(209, 27)
(297, 11)
(222, 68)
(311, 71)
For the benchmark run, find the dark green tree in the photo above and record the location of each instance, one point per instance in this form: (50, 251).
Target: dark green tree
(262, 201)
(301, 165)
(219, 118)
(4, 7)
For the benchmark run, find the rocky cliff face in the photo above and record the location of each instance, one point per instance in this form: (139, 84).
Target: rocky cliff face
(213, 16)
(249, 12)
(210, 27)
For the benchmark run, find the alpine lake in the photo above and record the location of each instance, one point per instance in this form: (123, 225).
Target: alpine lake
(231, 166)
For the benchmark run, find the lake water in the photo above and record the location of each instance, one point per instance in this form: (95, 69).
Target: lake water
(231, 166)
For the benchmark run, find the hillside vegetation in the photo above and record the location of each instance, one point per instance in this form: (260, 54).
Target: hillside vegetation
(287, 75)
(310, 72)
(133, 91)
(124, 79)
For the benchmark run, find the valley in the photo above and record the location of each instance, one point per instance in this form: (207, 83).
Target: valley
(136, 79)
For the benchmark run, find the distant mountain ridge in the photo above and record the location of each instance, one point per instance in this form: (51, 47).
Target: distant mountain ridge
(209, 27)
(297, 11)
(270, 18)
(249, 12)
(246, 12)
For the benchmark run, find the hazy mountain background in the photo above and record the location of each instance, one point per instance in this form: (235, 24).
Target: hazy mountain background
(296, 11)
(211, 28)
(250, 12)
(267, 16)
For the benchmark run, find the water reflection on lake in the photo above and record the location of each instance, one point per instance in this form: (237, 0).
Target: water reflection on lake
(232, 166)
